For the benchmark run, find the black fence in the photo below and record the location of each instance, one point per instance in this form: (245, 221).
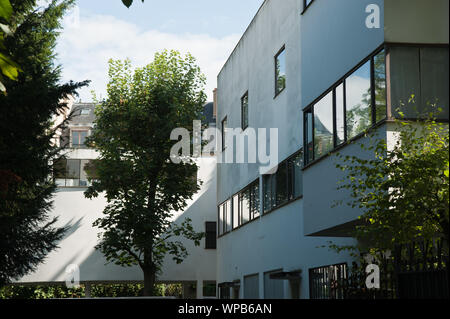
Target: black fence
(418, 270)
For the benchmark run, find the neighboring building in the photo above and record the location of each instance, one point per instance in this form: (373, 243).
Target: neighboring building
(317, 72)
(198, 271)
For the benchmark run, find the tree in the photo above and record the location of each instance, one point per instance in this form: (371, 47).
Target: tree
(27, 234)
(143, 186)
(8, 67)
(404, 189)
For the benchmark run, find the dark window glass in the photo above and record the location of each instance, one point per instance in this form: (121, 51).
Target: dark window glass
(280, 71)
(434, 81)
(379, 73)
(210, 237)
(244, 111)
(224, 129)
(309, 152)
(79, 138)
(340, 120)
(281, 184)
(209, 289)
(323, 126)
(267, 192)
(297, 175)
(358, 98)
(255, 200)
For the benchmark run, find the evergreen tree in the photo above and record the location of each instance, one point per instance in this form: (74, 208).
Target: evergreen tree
(27, 234)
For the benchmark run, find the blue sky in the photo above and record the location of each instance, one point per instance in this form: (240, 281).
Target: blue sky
(97, 30)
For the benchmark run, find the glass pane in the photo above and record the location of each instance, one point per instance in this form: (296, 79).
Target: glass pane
(340, 128)
(280, 70)
(245, 111)
(245, 206)
(224, 128)
(86, 166)
(281, 187)
(73, 169)
(267, 191)
(228, 215)
(434, 81)
(221, 215)
(236, 211)
(298, 175)
(75, 138)
(379, 63)
(358, 97)
(255, 199)
(309, 137)
(59, 168)
(323, 126)
(83, 136)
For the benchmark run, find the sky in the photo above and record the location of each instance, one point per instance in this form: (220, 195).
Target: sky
(97, 30)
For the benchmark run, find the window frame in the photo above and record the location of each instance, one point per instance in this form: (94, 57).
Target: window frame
(310, 108)
(66, 174)
(283, 49)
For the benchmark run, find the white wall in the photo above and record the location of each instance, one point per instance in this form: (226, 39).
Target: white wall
(274, 241)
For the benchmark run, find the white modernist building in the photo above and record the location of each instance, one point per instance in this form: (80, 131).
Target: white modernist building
(198, 271)
(320, 72)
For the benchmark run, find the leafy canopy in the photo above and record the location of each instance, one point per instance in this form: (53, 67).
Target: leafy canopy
(142, 185)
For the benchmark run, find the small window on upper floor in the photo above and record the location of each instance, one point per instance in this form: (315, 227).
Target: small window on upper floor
(85, 112)
(244, 111)
(280, 71)
(79, 138)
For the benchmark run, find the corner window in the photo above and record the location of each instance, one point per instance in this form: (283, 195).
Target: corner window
(244, 111)
(349, 108)
(225, 218)
(280, 71)
(306, 4)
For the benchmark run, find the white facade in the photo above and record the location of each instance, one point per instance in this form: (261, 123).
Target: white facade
(323, 44)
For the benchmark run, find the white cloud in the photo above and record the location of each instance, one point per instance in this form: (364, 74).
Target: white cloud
(85, 47)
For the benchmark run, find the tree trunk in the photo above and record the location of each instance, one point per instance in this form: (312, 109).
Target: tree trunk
(149, 281)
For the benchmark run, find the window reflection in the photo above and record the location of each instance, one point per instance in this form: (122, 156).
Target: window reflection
(358, 98)
(323, 126)
(280, 72)
(340, 122)
(379, 64)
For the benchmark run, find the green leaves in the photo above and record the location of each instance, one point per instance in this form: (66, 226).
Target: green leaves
(5, 9)
(128, 3)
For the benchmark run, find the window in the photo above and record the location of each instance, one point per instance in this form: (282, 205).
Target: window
(284, 185)
(323, 125)
(422, 71)
(280, 71)
(244, 111)
(251, 287)
(324, 282)
(273, 288)
(79, 138)
(224, 291)
(225, 218)
(73, 172)
(85, 112)
(209, 289)
(349, 108)
(358, 98)
(211, 235)
(224, 128)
